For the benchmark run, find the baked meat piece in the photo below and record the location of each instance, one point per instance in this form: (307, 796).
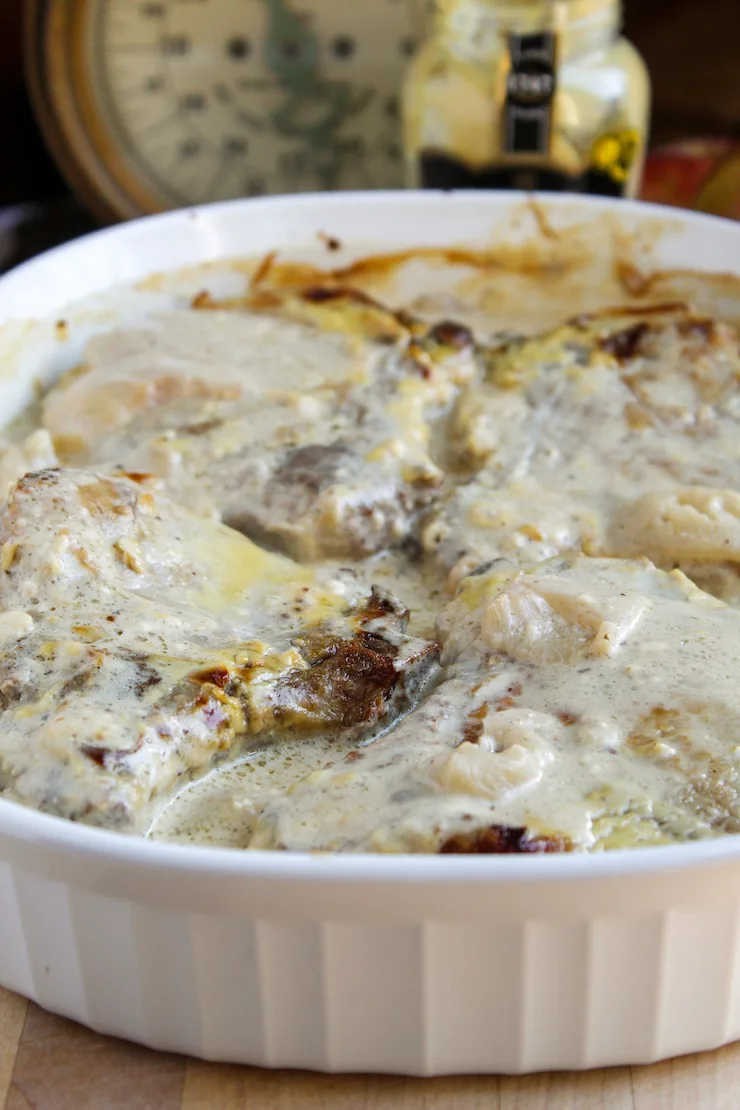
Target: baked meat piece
(616, 434)
(141, 644)
(586, 704)
(315, 442)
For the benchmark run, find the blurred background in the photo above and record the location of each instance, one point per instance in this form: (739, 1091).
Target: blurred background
(692, 51)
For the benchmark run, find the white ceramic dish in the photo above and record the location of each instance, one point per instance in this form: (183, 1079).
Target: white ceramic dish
(407, 964)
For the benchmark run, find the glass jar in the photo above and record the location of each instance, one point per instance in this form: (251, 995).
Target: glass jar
(526, 94)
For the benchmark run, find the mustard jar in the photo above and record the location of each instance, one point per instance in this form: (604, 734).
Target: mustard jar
(526, 94)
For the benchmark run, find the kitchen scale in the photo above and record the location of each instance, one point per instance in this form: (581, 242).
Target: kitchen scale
(155, 104)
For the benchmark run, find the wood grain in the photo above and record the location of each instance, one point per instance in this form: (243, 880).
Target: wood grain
(49, 1063)
(12, 1017)
(61, 1066)
(707, 1082)
(209, 1085)
(595, 1090)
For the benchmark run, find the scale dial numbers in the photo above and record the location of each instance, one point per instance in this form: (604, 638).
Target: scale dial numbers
(164, 103)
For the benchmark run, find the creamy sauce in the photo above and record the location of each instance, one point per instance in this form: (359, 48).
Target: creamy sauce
(557, 713)
(617, 435)
(223, 808)
(164, 672)
(143, 644)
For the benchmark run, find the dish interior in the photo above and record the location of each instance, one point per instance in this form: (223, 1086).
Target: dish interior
(427, 549)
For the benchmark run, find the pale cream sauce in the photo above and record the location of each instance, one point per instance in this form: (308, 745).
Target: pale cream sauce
(562, 708)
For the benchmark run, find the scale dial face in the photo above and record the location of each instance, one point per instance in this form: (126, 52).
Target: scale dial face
(164, 103)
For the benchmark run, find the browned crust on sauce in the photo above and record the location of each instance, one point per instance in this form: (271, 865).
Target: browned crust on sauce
(498, 840)
(212, 676)
(263, 269)
(203, 299)
(321, 294)
(448, 333)
(330, 241)
(473, 725)
(379, 606)
(625, 345)
(664, 308)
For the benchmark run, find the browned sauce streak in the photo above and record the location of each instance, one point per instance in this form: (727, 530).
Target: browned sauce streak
(214, 676)
(624, 345)
(667, 308)
(502, 840)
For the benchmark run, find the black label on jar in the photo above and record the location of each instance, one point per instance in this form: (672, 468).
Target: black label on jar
(438, 171)
(530, 87)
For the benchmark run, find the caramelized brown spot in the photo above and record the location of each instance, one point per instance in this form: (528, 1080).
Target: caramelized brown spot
(330, 241)
(700, 328)
(448, 333)
(507, 700)
(473, 726)
(137, 476)
(47, 477)
(503, 703)
(666, 308)
(567, 718)
(624, 345)
(263, 269)
(203, 299)
(380, 605)
(102, 498)
(502, 840)
(106, 756)
(96, 754)
(215, 676)
(320, 294)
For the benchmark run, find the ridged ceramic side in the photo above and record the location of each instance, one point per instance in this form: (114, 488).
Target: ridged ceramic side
(423, 971)
(419, 966)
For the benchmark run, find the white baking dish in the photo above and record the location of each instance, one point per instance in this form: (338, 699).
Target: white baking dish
(407, 964)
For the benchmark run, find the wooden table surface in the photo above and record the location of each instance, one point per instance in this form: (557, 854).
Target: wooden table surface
(49, 1063)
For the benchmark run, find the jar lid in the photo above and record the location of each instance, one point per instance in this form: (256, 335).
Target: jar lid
(523, 14)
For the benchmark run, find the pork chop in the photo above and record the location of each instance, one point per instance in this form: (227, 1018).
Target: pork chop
(617, 434)
(315, 442)
(586, 703)
(140, 644)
